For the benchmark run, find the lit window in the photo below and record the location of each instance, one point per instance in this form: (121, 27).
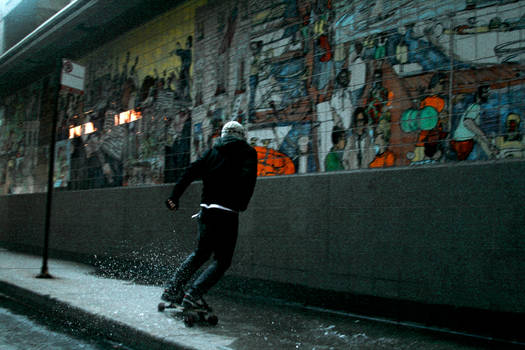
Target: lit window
(79, 130)
(127, 117)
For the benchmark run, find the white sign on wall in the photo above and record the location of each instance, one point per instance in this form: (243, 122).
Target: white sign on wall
(72, 77)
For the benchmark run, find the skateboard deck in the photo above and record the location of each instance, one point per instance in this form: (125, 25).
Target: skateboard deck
(190, 316)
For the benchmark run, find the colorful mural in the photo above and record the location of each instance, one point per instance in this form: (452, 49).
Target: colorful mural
(321, 85)
(22, 159)
(345, 85)
(137, 105)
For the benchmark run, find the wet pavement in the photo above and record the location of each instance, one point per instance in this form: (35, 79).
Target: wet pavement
(127, 313)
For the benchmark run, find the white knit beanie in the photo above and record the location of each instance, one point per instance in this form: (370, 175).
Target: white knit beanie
(234, 129)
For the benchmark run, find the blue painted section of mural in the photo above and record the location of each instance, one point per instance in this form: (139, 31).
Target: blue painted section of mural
(325, 85)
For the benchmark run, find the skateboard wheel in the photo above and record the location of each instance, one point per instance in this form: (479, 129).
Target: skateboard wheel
(188, 321)
(161, 307)
(213, 320)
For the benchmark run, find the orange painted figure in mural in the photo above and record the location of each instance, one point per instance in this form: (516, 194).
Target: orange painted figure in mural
(272, 162)
(428, 144)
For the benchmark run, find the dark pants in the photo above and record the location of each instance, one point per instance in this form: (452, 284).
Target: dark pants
(217, 235)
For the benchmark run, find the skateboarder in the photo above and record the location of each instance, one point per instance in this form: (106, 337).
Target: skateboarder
(228, 172)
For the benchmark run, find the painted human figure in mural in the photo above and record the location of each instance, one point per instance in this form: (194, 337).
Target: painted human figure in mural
(10, 168)
(129, 87)
(32, 106)
(357, 70)
(207, 132)
(105, 150)
(62, 169)
(422, 51)
(224, 52)
(303, 147)
(210, 128)
(22, 169)
(19, 135)
(337, 112)
(377, 99)
(270, 95)
(401, 54)
(62, 122)
(512, 143)
(381, 42)
(25, 165)
(341, 102)
(185, 56)
(468, 132)
(197, 84)
(334, 159)
(384, 157)
(305, 13)
(430, 144)
(97, 174)
(297, 145)
(68, 113)
(147, 91)
(160, 130)
(120, 146)
(240, 85)
(79, 164)
(255, 68)
(323, 51)
(359, 151)
(377, 10)
(178, 145)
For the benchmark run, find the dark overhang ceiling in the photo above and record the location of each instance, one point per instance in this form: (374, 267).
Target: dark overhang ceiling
(72, 33)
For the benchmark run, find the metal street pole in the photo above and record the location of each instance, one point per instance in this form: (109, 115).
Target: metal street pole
(44, 273)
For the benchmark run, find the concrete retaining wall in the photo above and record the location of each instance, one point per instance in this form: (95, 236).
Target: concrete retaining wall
(438, 235)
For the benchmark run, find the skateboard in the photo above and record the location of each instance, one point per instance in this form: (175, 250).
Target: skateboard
(190, 316)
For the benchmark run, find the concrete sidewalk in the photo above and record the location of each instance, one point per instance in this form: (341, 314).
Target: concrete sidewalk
(127, 313)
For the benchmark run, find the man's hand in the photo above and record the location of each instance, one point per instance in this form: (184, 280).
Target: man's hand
(172, 205)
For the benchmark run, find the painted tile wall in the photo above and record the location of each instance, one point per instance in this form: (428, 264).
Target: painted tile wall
(325, 85)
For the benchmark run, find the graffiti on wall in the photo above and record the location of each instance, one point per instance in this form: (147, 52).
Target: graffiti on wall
(321, 85)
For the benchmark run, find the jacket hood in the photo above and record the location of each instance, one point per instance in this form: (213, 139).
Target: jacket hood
(229, 142)
(232, 145)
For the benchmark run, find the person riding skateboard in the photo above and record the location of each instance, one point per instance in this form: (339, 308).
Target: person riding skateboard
(229, 173)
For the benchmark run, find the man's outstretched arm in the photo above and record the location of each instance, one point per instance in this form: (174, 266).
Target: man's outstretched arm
(193, 172)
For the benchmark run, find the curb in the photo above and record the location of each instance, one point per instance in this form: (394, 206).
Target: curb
(94, 324)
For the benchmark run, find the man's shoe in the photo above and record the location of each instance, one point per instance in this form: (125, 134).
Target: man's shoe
(190, 302)
(172, 296)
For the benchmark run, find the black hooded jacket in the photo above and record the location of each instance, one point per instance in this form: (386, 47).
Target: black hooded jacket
(228, 172)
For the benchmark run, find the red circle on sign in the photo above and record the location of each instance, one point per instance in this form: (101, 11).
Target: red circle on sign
(68, 66)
